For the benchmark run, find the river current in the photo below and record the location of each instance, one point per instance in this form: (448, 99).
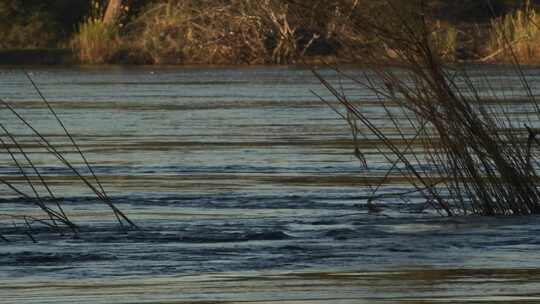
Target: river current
(246, 190)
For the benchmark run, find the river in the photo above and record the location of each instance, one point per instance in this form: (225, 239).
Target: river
(246, 190)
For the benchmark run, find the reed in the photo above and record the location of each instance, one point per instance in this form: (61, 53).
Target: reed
(474, 158)
(38, 191)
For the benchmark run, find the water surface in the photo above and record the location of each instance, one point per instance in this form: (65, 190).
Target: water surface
(246, 190)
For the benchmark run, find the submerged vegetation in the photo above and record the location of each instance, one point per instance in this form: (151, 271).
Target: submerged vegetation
(473, 157)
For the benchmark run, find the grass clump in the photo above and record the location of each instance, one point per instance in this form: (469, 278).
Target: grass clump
(444, 41)
(516, 36)
(96, 41)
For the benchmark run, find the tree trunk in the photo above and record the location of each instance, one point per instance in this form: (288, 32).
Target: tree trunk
(113, 11)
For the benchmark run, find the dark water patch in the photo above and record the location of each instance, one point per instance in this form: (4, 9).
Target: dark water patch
(221, 200)
(217, 237)
(127, 83)
(189, 235)
(342, 234)
(267, 235)
(401, 249)
(325, 222)
(26, 258)
(37, 229)
(168, 106)
(292, 248)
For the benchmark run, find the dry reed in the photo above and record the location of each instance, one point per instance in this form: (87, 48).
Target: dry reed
(40, 192)
(474, 157)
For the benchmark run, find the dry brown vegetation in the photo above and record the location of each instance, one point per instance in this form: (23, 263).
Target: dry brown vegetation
(246, 32)
(516, 36)
(220, 32)
(209, 32)
(241, 32)
(475, 158)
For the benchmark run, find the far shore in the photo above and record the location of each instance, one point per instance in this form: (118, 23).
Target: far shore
(66, 57)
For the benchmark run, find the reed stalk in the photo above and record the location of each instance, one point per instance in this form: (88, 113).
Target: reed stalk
(41, 191)
(478, 156)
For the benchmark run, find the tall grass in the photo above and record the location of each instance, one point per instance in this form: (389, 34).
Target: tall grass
(472, 157)
(444, 41)
(516, 36)
(96, 41)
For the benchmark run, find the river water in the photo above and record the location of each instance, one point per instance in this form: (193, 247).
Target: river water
(246, 190)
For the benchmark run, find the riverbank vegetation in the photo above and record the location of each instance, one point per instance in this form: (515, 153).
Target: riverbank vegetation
(30, 24)
(516, 36)
(96, 41)
(255, 32)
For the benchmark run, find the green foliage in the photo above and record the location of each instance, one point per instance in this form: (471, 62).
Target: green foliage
(38, 24)
(22, 28)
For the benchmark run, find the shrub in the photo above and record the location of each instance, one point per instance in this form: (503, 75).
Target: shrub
(202, 32)
(33, 30)
(39, 24)
(239, 31)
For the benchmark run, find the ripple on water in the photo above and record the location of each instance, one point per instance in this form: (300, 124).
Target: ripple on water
(245, 190)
